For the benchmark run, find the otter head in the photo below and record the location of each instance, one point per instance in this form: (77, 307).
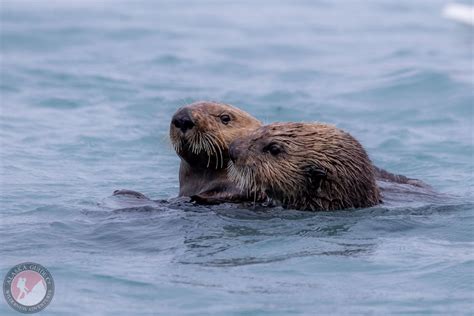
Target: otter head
(202, 132)
(304, 166)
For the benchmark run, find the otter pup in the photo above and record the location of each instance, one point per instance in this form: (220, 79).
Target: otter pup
(201, 133)
(307, 166)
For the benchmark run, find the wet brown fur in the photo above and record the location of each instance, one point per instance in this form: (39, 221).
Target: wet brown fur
(319, 167)
(204, 151)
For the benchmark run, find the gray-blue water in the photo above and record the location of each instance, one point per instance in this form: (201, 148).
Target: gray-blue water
(87, 92)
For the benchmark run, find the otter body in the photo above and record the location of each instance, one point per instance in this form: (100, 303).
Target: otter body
(201, 134)
(307, 166)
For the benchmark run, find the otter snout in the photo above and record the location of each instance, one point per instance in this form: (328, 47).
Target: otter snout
(236, 149)
(183, 120)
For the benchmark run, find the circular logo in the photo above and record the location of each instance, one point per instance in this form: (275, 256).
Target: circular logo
(28, 287)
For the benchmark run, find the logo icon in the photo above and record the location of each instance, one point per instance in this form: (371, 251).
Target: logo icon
(28, 287)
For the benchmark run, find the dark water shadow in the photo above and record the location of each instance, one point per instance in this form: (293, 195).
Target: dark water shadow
(246, 234)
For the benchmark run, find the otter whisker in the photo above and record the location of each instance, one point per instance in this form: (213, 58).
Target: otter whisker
(193, 143)
(215, 153)
(196, 143)
(217, 144)
(200, 145)
(209, 148)
(221, 157)
(208, 161)
(221, 144)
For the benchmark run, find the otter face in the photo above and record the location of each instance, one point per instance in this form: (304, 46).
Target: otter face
(305, 166)
(202, 132)
(271, 160)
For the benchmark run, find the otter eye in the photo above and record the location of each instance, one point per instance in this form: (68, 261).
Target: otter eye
(273, 149)
(225, 119)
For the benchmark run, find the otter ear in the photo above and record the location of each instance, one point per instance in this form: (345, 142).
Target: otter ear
(315, 176)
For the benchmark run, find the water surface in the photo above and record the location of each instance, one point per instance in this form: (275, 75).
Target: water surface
(87, 93)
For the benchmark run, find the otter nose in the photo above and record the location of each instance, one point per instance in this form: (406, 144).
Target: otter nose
(183, 120)
(234, 151)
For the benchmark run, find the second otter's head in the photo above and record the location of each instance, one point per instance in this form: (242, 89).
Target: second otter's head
(304, 166)
(201, 132)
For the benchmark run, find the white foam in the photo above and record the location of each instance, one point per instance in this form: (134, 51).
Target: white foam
(459, 12)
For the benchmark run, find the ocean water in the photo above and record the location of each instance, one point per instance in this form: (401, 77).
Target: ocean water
(87, 92)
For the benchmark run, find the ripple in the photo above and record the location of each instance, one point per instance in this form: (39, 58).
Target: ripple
(60, 103)
(408, 85)
(87, 92)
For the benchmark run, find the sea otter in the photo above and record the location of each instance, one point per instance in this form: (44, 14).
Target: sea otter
(306, 166)
(201, 133)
